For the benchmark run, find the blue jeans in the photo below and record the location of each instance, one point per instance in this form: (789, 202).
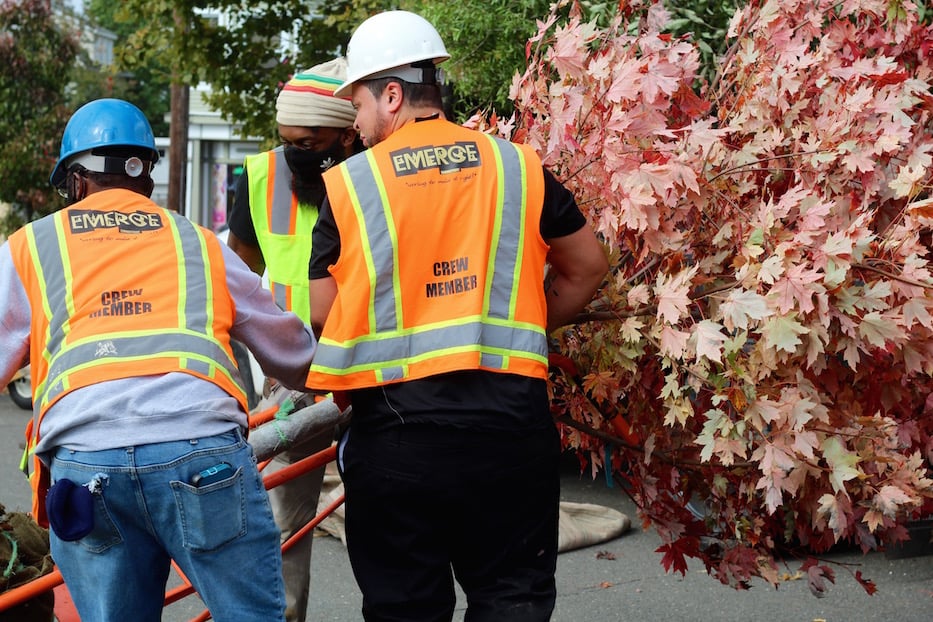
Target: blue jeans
(146, 513)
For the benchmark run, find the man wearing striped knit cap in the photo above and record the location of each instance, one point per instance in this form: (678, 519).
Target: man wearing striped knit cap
(274, 211)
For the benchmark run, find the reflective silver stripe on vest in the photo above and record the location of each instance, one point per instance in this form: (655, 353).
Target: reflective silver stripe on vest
(281, 219)
(184, 346)
(363, 179)
(195, 275)
(45, 236)
(375, 351)
(49, 242)
(279, 295)
(507, 254)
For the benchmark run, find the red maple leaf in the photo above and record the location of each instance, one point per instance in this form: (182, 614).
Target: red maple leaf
(692, 106)
(891, 77)
(676, 553)
(868, 584)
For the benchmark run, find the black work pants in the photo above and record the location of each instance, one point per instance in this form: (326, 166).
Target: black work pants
(427, 503)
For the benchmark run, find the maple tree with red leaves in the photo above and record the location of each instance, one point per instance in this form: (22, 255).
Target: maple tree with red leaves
(764, 343)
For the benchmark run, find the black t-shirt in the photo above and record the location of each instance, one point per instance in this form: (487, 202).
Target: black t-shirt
(507, 403)
(239, 220)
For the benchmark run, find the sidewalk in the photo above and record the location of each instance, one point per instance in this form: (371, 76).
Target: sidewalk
(623, 581)
(617, 581)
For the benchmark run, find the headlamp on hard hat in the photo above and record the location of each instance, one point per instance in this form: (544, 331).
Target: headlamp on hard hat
(132, 166)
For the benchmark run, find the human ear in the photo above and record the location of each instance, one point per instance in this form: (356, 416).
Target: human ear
(77, 187)
(348, 137)
(393, 96)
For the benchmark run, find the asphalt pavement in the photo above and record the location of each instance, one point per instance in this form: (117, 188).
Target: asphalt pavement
(620, 580)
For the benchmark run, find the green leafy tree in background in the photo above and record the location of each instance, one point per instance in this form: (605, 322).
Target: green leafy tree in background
(34, 56)
(244, 66)
(146, 85)
(242, 62)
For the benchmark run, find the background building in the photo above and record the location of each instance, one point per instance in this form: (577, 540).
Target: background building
(215, 158)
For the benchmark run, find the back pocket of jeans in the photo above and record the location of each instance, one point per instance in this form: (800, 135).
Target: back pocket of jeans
(212, 515)
(104, 534)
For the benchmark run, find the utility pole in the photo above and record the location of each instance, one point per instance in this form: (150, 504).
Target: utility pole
(178, 132)
(178, 147)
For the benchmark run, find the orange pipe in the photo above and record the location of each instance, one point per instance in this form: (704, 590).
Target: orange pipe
(27, 591)
(314, 522)
(623, 429)
(301, 467)
(263, 416)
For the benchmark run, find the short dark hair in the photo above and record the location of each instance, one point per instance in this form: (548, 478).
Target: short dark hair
(414, 94)
(141, 185)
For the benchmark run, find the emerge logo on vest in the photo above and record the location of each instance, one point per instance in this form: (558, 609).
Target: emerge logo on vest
(445, 158)
(82, 221)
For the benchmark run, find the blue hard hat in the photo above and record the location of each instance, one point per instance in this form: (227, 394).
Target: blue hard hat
(104, 123)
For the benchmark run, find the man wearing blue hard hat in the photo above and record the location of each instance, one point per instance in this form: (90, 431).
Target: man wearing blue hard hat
(125, 311)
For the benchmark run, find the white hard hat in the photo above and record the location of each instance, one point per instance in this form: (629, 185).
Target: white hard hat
(388, 44)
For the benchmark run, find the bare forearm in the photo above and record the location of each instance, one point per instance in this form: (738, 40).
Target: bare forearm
(578, 266)
(249, 253)
(566, 297)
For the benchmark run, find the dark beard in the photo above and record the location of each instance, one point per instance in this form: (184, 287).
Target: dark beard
(309, 190)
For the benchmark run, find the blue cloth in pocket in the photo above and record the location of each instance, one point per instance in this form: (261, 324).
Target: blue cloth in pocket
(70, 509)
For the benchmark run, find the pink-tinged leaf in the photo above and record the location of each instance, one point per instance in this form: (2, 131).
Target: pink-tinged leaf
(762, 412)
(660, 78)
(569, 52)
(626, 81)
(639, 209)
(728, 449)
(796, 289)
(673, 342)
(861, 160)
(878, 330)
(873, 519)
(817, 576)
(805, 442)
(742, 305)
(890, 499)
(782, 333)
(842, 463)
(917, 310)
(673, 295)
(709, 340)
(638, 295)
(774, 496)
(829, 508)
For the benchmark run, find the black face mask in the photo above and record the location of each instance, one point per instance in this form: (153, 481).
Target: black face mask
(309, 165)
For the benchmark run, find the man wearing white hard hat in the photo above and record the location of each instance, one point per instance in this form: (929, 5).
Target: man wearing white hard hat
(275, 208)
(427, 286)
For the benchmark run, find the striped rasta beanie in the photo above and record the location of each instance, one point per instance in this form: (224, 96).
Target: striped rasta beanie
(307, 100)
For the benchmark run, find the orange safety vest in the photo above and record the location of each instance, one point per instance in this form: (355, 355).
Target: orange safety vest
(283, 229)
(441, 262)
(120, 287)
